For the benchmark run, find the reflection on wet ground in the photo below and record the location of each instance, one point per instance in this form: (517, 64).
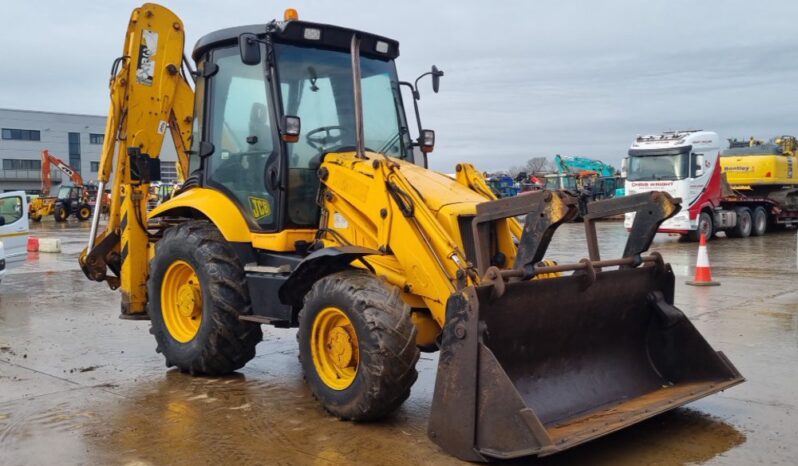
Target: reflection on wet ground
(77, 385)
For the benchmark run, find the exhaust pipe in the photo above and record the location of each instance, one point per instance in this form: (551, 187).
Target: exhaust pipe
(355, 52)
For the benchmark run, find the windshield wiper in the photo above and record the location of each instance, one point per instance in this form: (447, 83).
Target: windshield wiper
(391, 141)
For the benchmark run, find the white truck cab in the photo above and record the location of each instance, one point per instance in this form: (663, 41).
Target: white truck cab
(685, 165)
(14, 228)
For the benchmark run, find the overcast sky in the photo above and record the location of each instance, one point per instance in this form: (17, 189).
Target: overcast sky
(523, 79)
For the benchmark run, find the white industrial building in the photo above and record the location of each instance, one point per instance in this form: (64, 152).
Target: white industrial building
(74, 138)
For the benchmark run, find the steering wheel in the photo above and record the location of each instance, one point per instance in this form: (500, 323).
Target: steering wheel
(319, 142)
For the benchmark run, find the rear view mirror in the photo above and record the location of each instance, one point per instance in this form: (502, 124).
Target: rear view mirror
(436, 78)
(290, 128)
(624, 166)
(249, 48)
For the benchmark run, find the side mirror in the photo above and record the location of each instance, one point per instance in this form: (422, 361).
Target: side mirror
(699, 164)
(290, 128)
(249, 48)
(436, 78)
(624, 166)
(427, 140)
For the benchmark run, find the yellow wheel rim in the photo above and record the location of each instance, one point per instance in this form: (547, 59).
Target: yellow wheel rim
(181, 301)
(84, 212)
(333, 344)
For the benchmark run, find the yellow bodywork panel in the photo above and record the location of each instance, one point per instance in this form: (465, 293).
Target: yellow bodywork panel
(219, 209)
(759, 170)
(227, 217)
(283, 241)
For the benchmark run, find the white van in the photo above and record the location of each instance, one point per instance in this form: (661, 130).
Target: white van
(14, 229)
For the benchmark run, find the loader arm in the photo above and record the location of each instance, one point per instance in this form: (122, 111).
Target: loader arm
(385, 212)
(473, 179)
(149, 94)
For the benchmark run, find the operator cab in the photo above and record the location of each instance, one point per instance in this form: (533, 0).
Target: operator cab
(72, 193)
(280, 96)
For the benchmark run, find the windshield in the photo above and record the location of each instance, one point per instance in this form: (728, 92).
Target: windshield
(64, 191)
(316, 86)
(658, 167)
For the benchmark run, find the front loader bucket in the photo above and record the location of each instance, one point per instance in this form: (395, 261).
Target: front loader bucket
(538, 366)
(554, 363)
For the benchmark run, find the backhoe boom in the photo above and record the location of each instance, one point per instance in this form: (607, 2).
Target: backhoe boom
(149, 95)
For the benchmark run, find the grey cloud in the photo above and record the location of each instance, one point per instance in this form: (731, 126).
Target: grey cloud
(522, 78)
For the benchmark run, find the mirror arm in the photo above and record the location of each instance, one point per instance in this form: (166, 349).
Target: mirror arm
(415, 92)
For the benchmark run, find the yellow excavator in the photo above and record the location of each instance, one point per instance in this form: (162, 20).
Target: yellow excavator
(764, 169)
(307, 204)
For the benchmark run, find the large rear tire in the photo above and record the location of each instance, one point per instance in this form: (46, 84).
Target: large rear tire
(759, 221)
(744, 225)
(197, 290)
(84, 212)
(357, 345)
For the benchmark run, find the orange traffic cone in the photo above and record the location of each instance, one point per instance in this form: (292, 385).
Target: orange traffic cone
(703, 272)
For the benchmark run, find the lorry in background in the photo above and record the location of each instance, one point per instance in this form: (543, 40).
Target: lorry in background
(688, 165)
(13, 229)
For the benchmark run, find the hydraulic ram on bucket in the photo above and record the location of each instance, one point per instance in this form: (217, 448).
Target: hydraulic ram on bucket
(533, 367)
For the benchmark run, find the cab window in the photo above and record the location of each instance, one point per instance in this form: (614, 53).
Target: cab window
(10, 210)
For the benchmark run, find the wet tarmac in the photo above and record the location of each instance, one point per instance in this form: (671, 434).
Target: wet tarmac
(79, 386)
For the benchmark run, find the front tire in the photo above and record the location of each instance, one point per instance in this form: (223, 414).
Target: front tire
(705, 226)
(60, 213)
(357, 345)
(197, 290)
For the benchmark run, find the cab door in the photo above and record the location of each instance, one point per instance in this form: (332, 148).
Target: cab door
(14, 226)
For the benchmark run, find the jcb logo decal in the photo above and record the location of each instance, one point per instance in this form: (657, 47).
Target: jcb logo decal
(260, 207)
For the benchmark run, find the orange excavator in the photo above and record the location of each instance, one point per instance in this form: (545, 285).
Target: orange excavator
(71, 200)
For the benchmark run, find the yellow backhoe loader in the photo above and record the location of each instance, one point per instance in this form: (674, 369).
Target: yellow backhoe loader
(306, 203)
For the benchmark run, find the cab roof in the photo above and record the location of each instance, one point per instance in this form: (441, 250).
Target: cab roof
(332, 37)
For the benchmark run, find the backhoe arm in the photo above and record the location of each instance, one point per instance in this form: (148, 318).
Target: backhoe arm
(149, 94)
(48, 160)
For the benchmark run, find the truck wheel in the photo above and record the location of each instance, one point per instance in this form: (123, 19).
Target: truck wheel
(759, 222)
(197, 290)
(357, 345)
(84, 212)
(742, 229)
(705, 226)
(60, 213)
